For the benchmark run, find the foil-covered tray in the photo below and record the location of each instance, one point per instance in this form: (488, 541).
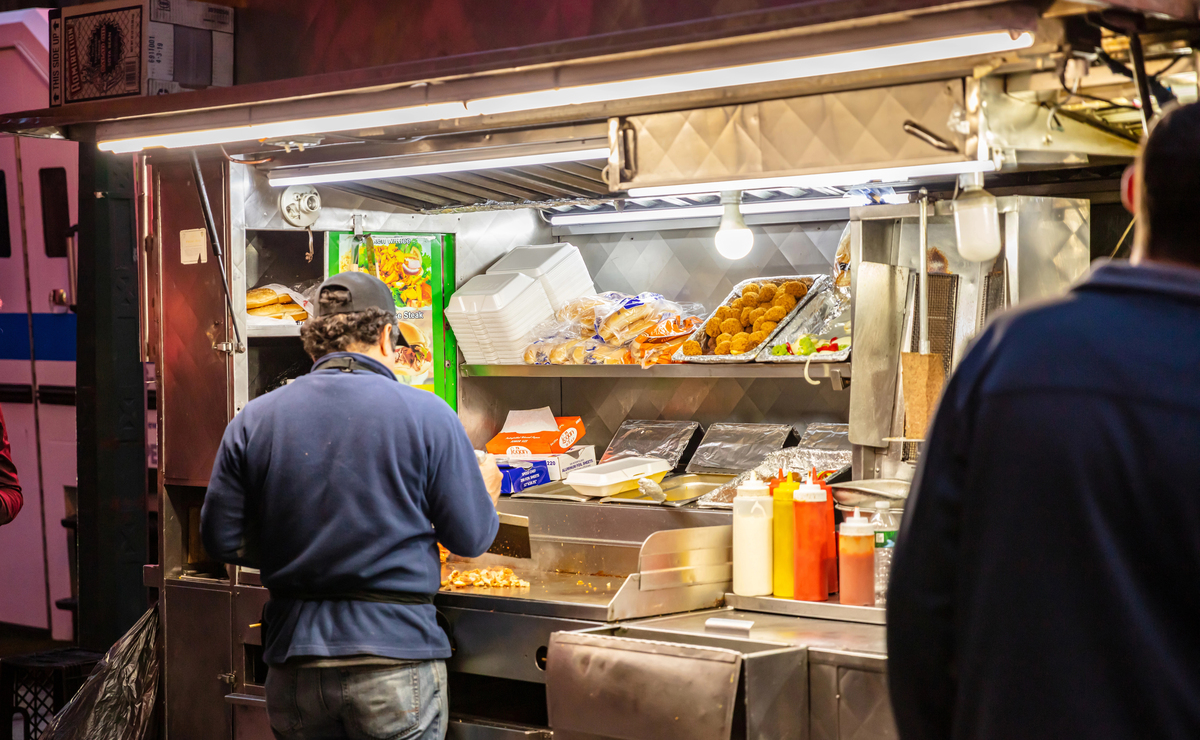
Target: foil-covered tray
(706, 341)
(823, 457)
(730, 448)
(673, 441)
(827, 307)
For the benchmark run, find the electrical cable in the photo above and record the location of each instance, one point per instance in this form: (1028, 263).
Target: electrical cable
(1122, 239)
(1062, 78)
(244, 161)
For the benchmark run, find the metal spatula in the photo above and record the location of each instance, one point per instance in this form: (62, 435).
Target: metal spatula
(923, 372)
(512, 539)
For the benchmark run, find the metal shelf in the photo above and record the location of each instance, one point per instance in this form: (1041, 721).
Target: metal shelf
(832, 370)
(259, 331)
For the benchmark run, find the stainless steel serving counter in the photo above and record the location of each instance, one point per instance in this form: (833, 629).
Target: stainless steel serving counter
(818, 635)
(847, 696)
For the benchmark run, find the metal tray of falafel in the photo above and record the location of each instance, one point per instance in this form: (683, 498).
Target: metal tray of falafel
(749, 317)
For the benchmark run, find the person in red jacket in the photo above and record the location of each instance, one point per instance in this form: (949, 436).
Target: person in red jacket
(10, 487)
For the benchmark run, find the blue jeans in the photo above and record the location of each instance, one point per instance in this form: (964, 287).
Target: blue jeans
(406, 702)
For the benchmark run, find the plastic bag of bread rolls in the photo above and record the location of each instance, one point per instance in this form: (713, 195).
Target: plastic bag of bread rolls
(631, 316)
(582, 311)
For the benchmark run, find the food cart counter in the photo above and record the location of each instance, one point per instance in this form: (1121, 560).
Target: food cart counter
(798, 677)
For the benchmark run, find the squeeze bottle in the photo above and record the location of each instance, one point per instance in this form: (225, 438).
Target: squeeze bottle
(752, 539)
(809, 559)
(830, 555)
(784, 528)
(856, 560)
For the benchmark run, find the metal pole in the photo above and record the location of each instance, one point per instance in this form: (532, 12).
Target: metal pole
(923, 275)
(1143, 83)
(33, 374)
(214, 239)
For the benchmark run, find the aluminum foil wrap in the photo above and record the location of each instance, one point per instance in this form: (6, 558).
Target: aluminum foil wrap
(829, 307)
(733, 448)
(673, 441)
(704, 339)
(822, 446)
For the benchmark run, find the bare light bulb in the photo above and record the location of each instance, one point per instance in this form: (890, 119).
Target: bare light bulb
(976, 221)
(734, 239)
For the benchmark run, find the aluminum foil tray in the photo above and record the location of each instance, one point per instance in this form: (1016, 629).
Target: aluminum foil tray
(704, 339)
(795, 458)
(673, 441)
(730, 448)
(821, 311)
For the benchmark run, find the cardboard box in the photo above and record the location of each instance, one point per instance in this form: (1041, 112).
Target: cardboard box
(521, 474)
(570, 430)
(138, 47)
(579, 456)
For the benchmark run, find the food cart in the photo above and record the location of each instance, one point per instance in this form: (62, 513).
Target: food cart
(622, 157)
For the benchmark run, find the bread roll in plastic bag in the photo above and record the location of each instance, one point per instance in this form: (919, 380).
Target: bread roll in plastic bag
(117, 700)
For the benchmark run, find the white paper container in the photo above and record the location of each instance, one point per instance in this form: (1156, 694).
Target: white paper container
(613, 477)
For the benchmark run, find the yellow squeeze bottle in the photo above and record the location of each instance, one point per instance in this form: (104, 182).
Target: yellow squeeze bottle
(784, 564)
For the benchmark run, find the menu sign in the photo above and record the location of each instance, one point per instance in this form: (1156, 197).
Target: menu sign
(405, 262)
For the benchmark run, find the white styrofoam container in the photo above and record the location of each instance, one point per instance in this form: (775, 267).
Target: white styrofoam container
(489, 292)
(493, 316)
(614, 477)
(558, 267)
(534, 261)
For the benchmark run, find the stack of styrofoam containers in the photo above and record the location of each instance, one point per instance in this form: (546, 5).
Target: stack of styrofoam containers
(493, 317)
(559, 267)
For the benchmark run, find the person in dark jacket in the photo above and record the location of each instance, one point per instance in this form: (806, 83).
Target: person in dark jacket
(338, 487)
(1047, 578)
(10, 486)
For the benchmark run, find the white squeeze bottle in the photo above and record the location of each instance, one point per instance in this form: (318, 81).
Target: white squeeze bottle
(752, 545)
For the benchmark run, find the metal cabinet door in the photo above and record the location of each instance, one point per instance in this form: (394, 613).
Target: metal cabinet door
(198, 668)
(195, 400)
(848, 698)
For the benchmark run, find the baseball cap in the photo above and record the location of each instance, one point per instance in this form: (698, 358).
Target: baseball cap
(365, 291)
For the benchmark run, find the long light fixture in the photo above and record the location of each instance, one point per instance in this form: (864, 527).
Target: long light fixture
(579, 155)
(709, 79)
(823, 180)
(748, 209)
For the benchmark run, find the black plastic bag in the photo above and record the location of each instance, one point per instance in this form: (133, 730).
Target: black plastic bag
(117, 700)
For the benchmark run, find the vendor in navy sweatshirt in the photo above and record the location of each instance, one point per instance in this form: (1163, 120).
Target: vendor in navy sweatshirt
(338, 487)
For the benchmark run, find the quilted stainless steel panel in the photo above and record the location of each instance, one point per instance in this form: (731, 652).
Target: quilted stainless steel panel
(864, 709)
(822, 701)
(855, 129)
(194, 402)
(1055, 245)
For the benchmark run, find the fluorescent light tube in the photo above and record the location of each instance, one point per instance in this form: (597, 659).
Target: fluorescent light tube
(579, 155)
(283, 129)
(823, 180)
(747, 74)
(748, 209)
(623, 217)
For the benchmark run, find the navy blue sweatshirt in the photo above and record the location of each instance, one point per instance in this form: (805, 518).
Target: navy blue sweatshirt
(344, 481)
(1046, 582)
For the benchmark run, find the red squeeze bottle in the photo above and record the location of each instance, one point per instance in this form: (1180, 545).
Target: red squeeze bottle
(831, 552)
(810, 570)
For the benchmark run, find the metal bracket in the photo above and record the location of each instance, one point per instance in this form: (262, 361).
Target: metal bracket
(228, 678)
(229, 348)
(356, 224)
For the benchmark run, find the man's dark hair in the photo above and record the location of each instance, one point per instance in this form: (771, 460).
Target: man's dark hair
(340, 332)
(1170, 173)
